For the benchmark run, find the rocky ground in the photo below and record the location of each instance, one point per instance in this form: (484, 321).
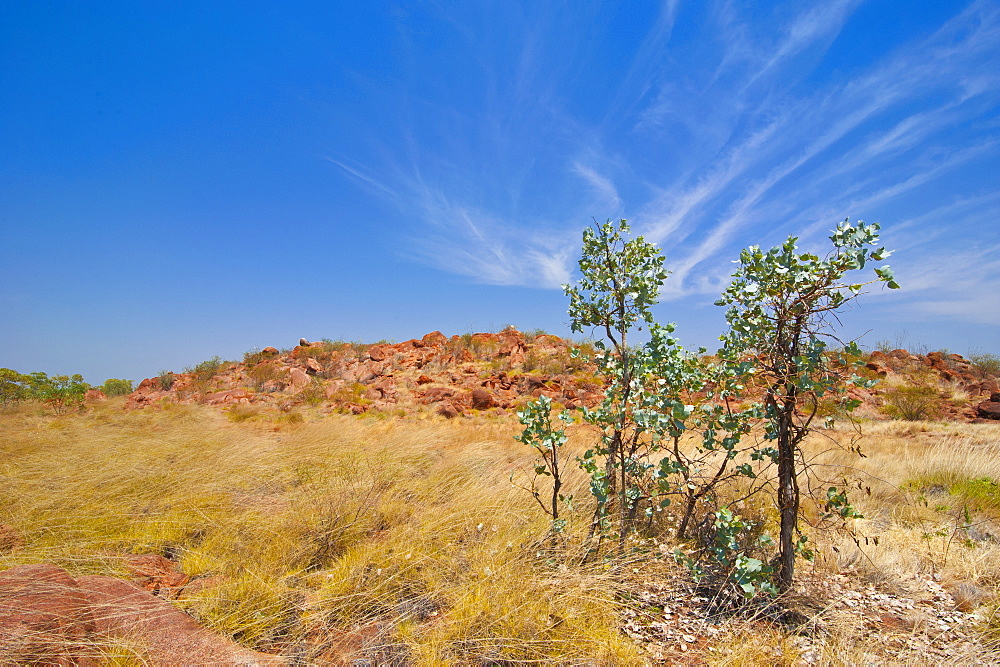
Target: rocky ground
(496, 373)
(828, 618)
(482, 372)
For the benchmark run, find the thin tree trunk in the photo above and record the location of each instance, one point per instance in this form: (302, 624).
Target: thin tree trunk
(788, 494)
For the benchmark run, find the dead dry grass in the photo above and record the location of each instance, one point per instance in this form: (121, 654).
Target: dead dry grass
(334, 538)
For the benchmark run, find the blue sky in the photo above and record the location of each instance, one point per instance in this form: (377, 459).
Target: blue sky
(183, 180)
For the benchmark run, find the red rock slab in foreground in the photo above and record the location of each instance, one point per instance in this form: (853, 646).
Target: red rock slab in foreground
(44, 616)
(47, 616)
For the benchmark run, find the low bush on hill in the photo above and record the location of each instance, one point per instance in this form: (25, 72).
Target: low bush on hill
(912, 403)
(116, 387)
(986, 364)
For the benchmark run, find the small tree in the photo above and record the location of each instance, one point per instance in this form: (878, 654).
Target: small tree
(14, 387)
(782, 304)
(60, 392)
(620, 281)
(541, 435)
(657, 393)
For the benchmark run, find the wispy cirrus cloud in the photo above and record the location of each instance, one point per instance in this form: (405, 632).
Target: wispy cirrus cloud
(733, 130)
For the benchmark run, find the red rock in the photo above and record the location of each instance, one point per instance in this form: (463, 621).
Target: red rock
(380, 352)
(423, 379)
(447, 410)
(313, 367)
(94, 395)
(168, 635)
(548, 340)
(881, 369)
(435, 339)
(229, 396)
(989, 409)
(386, 390)
(989, 387)
(485, 338)
(436, 394)
(270, 351)
(482, 399)
(157, 574)
(298, 378)
(44, 617)
(148, 382)
(531, 383)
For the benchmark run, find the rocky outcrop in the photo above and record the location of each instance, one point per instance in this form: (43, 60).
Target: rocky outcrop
(485, 372)
(50, 617)
(435, 373)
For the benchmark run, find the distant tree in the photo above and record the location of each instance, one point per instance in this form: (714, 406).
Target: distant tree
(14, 387)
(116, 387)
(62, 393)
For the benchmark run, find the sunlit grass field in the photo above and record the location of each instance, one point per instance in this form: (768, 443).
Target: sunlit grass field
(330, 537)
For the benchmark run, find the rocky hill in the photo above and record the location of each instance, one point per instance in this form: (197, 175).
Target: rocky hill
(498, 372)
(493, 372)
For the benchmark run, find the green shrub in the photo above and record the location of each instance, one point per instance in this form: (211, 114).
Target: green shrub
(207, 369)
(166, 380)
(116, 387)
(253, 356)
(912, 403)
(313, 394)
(263, 373)
(980, 492)
(986, 364)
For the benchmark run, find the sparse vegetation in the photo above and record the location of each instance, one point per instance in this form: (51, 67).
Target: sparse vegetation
(912, 403)
(202, 373)
(165, 380)
(266, 374)
(986, 363)
(660, 396)
(116, 387)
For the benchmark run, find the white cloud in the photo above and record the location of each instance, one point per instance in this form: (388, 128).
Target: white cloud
(708, 146)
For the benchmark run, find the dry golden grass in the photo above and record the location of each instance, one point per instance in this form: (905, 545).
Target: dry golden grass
(336, 536)
(314, 531)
